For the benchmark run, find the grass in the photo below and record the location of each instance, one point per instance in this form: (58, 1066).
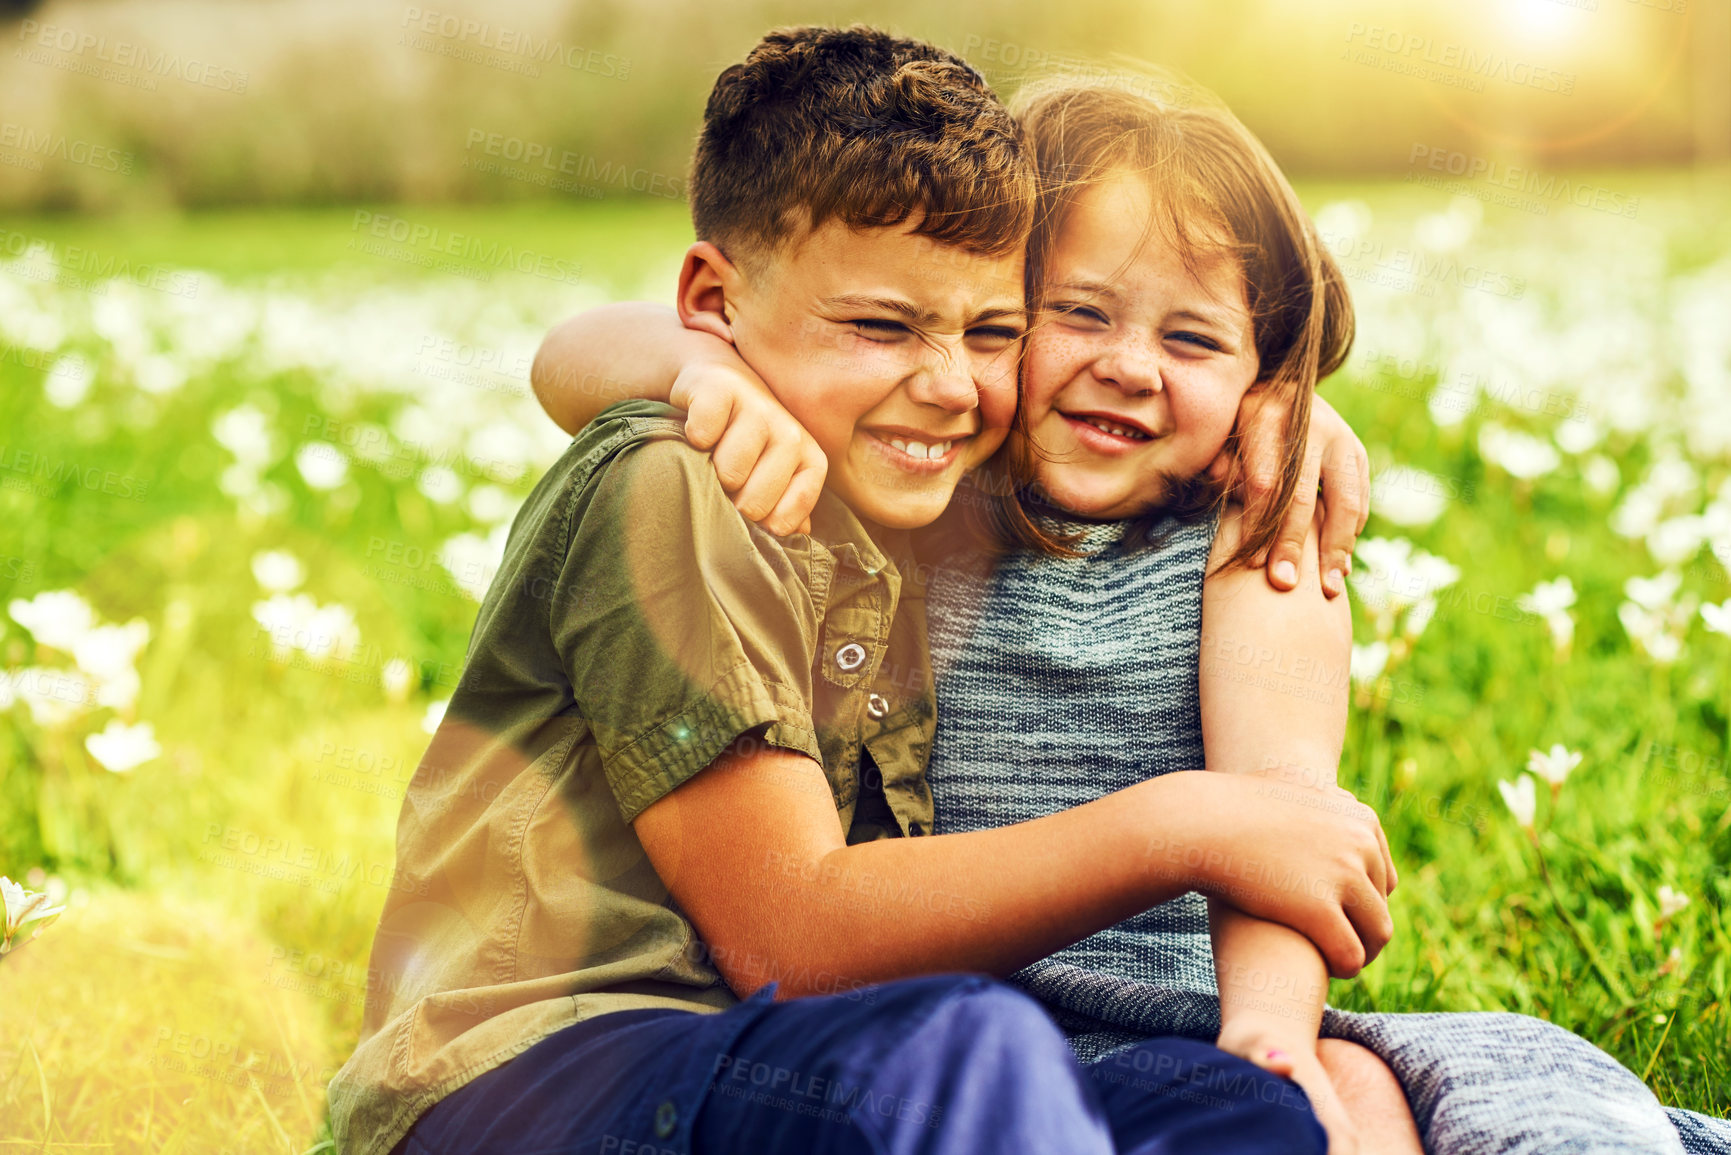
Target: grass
(210, 969)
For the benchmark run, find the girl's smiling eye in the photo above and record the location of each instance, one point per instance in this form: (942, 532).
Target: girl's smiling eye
(1075, 311)
(1199, 340)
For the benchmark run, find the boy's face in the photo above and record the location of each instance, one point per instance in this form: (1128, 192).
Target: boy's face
(897, 354)
(1137, 367)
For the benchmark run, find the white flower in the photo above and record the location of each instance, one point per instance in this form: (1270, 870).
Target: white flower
(69, 381)
(245, 432)
(1521, 798)
(434, 715)
(1340, 222)
(322, 465)
(472, 560)
(24, 907)
(55, 697)
(1654, 593)
(1676, 540)
(440, 484)
(1393, 577)
(1577, 434)
(1718, 618)
(1671, 902)
(1518, 454)
(122, 748)
(491, 505)
(396, 677)
(300, 623)
(1418, 618)
(57, 618)
(1552, 597)
(1601, 475)
(107, 652)
(1408, 496)
(1443, 232)
(157, 374)
(1638, 512)
(1553, 766)
(1368, 661)
(278, 571)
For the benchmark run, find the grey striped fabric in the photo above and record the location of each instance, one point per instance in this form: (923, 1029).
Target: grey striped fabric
(1062, 680)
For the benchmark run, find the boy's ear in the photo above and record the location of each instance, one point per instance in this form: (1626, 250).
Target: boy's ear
(709, 284)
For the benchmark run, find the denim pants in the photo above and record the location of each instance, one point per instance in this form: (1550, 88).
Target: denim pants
(944, 1064)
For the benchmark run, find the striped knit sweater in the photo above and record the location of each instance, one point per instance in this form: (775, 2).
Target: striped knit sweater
(1045, 668)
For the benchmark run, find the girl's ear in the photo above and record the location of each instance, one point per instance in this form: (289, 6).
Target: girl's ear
(708, 284)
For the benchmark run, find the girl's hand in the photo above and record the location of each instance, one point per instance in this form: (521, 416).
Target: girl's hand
(765, 459)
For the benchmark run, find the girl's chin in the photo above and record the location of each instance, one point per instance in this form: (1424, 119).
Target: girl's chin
(1083, 498)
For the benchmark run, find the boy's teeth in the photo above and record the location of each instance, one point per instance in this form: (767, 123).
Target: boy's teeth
(920, 449)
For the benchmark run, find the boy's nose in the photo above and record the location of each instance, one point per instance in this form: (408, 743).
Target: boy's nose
(946, 382)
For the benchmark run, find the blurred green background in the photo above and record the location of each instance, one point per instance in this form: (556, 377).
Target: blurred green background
(270, 279)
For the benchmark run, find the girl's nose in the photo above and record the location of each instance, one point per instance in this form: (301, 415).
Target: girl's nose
(1132, 367)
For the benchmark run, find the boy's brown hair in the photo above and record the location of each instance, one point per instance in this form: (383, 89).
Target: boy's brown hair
(856, 125)
(1217, 191)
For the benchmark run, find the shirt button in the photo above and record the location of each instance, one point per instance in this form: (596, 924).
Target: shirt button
(876, 706)
(850, 657)
(666, 1119)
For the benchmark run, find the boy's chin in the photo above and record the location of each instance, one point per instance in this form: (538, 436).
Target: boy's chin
(897, 508)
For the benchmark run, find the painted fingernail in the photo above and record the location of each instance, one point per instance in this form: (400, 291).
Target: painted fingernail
(1275, 1056)
(1287, 572)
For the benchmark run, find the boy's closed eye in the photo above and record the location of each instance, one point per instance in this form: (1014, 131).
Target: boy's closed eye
(981, 337)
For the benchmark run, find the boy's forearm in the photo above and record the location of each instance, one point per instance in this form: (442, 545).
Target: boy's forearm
(610, 353)
(1273, 982)
(991, 901)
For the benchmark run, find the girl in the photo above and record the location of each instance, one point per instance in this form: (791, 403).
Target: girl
(1093, 607)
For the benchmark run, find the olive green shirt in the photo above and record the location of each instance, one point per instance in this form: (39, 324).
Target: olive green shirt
(637, 626)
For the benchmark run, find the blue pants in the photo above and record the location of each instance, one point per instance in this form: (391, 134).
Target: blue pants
(944, 1065)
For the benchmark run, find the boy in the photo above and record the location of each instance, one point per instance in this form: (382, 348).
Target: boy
(685, 757)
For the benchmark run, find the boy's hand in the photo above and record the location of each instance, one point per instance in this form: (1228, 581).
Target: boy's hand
(765, 459)
(1334, 456)
(1312, 859)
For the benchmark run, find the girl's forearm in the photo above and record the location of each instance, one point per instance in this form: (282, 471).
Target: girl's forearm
(610, 353)
(1273, 982)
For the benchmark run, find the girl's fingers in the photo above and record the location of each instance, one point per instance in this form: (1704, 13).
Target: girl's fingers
(769, 480)
(736, 454)
(709, 417)
(792, 514)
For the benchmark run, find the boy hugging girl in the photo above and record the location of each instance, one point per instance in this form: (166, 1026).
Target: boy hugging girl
(721, 847)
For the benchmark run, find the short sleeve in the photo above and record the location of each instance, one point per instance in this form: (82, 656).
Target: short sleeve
(681, 625)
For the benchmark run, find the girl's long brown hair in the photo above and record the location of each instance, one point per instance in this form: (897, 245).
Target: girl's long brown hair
(1216, 191)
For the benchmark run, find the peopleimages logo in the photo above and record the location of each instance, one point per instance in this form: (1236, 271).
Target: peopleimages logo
(61, 147)
(126, 54)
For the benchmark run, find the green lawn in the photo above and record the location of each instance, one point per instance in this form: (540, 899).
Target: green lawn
(363, 409)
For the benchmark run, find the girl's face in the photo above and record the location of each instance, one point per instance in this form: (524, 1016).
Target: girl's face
(1135, 368)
